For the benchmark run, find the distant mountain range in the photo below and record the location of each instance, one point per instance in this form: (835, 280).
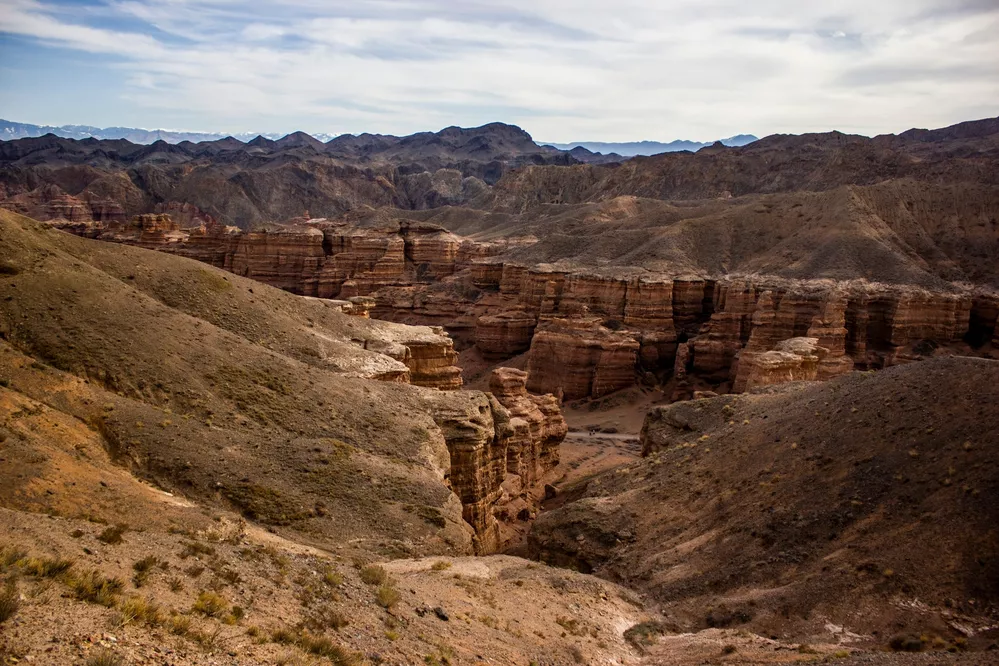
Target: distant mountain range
(632, 148)
(12, 130)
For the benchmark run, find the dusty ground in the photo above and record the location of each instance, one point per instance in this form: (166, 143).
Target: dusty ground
(495, 610)
(621, 412)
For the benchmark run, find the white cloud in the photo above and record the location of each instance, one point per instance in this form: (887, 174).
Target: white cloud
(565, 70)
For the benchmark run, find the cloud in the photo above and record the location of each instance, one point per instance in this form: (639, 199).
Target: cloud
(566, 69)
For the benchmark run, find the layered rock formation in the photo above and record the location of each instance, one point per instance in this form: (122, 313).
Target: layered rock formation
(501, 445)
(537, 424)
(477, 431)
(432, 361)
(579, 358)
(608, 326)
(725, 322)
(791, 360)
(912, 259)
(829, 330)
(505, 334)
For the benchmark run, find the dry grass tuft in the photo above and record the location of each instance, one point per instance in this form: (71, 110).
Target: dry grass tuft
(105, 658)
(92, 586)
(179, 625)
(10, 601)
(112, 535)
(141, 609)
(45, 567)
(211, 604)
(387, 596)
(322, 646)
(374, 574)
(143, 568)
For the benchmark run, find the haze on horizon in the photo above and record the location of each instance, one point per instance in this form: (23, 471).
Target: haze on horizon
(564, 71)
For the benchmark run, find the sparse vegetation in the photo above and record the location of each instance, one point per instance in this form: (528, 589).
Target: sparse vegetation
(323, 646)
(143, 568)
(903, 643)
(324, 616)
(142, 609)
(179, 625)
(644, 634)
(441, 565)
(387, 596)
(211, 604)
(93, 587)
(316, 644)
(332, 578)
(105, 657)
(10, 601)
(374, 574)
(194, 570)
(9, 555)
(113, 535)
(44, 567)
(571, 625)
(194, 548)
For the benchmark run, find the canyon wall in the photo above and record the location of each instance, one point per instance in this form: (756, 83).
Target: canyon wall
(501, 445)
(586, 334)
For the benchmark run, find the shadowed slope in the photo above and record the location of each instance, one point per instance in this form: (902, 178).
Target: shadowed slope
(844, 502)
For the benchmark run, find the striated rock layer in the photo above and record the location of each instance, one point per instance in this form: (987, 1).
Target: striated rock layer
(537, 422)
(501, 445)
(505, 334)
(579, 358)
(586, 333)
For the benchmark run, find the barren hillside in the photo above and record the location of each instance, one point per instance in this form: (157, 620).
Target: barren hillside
(867, 503)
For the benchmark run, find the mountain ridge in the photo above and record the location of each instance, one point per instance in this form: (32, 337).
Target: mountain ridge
(11, 130)
(646, 147)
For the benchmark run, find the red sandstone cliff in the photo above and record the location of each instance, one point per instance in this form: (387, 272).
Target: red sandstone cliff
(587, 333)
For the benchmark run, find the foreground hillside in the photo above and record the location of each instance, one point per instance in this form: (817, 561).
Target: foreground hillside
(220, 388)
(866, 504)
(199, 468)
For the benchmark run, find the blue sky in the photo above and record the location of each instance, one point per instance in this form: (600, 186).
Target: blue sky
(562, 69)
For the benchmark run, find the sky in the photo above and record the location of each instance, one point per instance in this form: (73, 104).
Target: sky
(564, 70)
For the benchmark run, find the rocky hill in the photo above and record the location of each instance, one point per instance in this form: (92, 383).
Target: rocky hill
(263, 180)
(966, 152)
(311, 385)
(867, 504)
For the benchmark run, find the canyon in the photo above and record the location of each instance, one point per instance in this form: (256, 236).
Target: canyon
(586, 333)
(412, 352)
(602, 275)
